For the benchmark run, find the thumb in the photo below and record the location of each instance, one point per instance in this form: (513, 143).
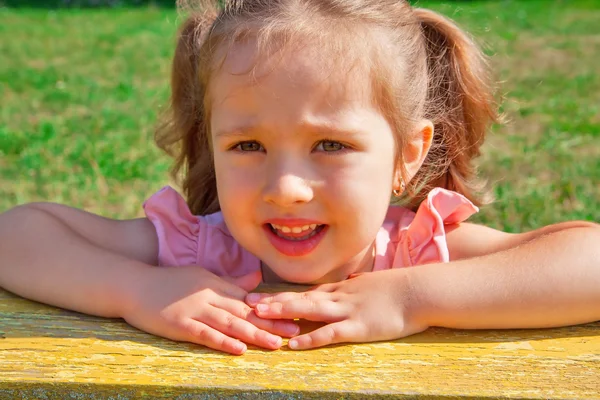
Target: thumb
(247, 282)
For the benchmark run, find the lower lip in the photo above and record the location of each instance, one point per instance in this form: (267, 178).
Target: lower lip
(294, 248)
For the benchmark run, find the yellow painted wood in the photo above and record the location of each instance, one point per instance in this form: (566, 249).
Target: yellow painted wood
(50, 353)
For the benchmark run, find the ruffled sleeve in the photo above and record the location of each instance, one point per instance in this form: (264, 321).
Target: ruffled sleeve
(425, 240)
(407, 238)
(186, 239)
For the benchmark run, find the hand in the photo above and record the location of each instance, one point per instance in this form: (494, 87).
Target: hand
(192, 304)
(368, 307)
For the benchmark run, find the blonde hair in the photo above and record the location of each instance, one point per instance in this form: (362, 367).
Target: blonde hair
(428, 68)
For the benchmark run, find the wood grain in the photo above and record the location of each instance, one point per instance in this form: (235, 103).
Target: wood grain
(50, 353)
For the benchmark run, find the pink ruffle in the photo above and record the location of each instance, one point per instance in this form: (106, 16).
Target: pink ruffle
(405, 239)
(408, 239)
(186, 239)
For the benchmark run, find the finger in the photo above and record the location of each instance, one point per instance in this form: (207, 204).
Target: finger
(267, 298)
(312, 310)
(194, 331)
(247, 282)
(286, 328)
(254, 298)
(238, 328)
(326, 287)
(280, 327)
(337, 332)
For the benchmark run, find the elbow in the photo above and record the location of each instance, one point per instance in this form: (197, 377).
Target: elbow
(585, 236)
(567, 226)
(26, 212)
(578, 224)
(21, 218)
(45, 207)
(594, 229)
(13, 216)
(585, 231)
(587, 224)
(15, 226)
(27, 206)
(590, 233)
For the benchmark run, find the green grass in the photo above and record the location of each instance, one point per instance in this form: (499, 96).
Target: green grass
(80, 91)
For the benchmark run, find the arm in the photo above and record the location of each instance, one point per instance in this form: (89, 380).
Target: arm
(73, 259)
(83, 262)
(548, 277)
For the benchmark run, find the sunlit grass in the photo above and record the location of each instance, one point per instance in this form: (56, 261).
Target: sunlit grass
(80, 92)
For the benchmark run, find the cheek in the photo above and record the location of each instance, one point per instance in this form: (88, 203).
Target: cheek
(360, 192)
(365, 175)
(236, 187)
(235, 180)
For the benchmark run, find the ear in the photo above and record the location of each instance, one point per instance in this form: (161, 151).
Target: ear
(414, 152)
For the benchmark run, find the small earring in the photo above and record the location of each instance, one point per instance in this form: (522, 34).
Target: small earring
(398, 192)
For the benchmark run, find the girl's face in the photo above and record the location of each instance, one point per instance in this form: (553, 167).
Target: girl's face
(304, 162)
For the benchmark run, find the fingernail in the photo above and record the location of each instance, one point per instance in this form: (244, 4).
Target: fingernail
(275, 341)
(241, 347)
(293, 344)
(262, 307)
(253, 298)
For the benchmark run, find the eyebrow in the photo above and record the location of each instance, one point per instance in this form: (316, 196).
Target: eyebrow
(315, 129)
(237, 131)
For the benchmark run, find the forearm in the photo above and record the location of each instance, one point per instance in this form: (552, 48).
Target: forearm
(42, 259)
(553, 280)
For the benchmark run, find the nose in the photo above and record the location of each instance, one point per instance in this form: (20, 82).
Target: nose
(287, 184)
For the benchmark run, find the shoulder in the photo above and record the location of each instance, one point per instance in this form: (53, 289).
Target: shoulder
(440, 207)
(187, 239)
(168, 205)
(467, 240)
(408, 238)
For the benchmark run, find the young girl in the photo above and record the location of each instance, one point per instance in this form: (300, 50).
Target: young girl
(296, 122)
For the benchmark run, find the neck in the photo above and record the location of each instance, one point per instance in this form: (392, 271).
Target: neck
(268, 276)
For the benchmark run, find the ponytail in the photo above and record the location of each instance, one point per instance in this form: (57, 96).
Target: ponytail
(184, 132)
(459, 103)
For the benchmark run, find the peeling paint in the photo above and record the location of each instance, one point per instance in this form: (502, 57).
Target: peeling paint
(49, 353)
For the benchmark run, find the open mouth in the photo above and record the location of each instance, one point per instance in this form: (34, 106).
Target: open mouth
(295, 241)
(296, 233)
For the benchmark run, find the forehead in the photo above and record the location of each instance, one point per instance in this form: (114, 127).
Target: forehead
(300, 68)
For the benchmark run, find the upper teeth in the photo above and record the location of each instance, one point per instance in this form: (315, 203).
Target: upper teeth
(295, 229)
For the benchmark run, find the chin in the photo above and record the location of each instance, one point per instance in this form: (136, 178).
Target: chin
(309, 279)
(301, 280)
(307, 271)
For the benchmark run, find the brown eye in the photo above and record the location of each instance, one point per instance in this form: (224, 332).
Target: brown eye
(329, 146)
(248, 146)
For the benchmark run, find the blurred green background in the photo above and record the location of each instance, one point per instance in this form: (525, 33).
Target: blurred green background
(81, 89)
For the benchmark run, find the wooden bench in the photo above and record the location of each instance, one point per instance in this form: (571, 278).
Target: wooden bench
(50, 353)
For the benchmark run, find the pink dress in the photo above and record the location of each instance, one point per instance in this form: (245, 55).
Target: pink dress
(405, 239)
